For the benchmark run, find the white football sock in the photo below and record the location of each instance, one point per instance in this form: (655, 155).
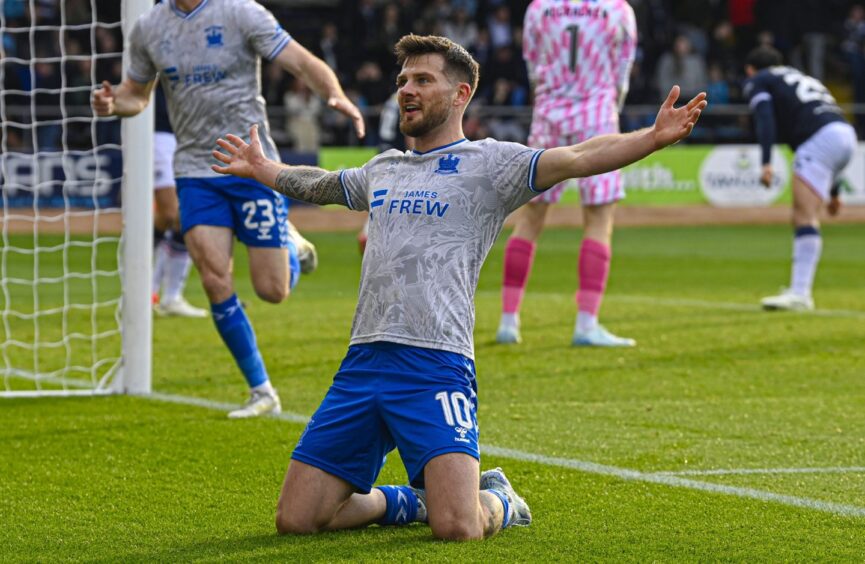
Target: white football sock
(806, 255)
(265, 388)
(586, 322)
(510, 320)
(176, 272)
(160, 257)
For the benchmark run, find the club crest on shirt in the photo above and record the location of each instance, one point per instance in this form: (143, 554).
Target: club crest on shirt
(214, 36)
(448, 165)
(165, 47)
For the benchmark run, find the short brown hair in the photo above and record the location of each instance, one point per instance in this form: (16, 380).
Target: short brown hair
(458, 63)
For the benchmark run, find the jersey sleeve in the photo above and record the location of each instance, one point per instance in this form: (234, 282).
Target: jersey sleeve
(262, 31)
(531, 49)
(756, 90)
(513, 168)
(760, 101)
(141, 67)
(626, 46)
(354, 185)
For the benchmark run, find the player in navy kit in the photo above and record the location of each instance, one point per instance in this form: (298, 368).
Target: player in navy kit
(408, 379)
(796, 109)
(207, 57)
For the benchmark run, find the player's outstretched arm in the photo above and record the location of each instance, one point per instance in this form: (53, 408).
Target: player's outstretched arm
(610, 152)
(297, 60)
(129, 98)
(306, 183)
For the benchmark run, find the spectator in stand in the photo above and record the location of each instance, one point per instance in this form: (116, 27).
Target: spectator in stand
(853, 48)
(303, 111)
(470, 7)
(49, 127)
(460, 29)
(274, 83)
(474, 127)
(506, 127)
(718, 89)
(408, 10)
(329, 48)
(682, 66)
(391, 31)
(743, 18)
(15, 98)
(434, 15)
(722, 50)
(482, 48)
(109, 67)
(499, 24)
(374, 91)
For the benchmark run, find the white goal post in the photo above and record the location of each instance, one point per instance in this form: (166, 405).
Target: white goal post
(75, 310)
(137, 330)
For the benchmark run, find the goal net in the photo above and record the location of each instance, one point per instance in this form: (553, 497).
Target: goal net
(74, 316)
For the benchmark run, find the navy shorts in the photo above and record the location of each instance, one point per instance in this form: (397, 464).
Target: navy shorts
(255, 213)
(420, 401)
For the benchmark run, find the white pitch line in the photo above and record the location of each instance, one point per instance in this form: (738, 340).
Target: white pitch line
(746, 471)
(705, 304)
(728, 305)
(634, 475)
(583, 466)
(220, 406)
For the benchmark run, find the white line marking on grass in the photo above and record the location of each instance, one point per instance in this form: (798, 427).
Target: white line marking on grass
(625, 474)
(705, 304)
(728, 305)
(220, 406)
(583, 466)
(745, 471)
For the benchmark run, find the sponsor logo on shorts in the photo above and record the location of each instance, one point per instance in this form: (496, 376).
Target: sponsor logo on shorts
(462, 432)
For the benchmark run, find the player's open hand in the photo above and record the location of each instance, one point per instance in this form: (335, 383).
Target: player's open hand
(674, 124)
(240, 158)
(102, 100)
(344, 106)
(834, 205)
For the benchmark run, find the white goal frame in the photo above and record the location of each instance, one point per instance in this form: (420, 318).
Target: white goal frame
(132, 374)
(135, 375)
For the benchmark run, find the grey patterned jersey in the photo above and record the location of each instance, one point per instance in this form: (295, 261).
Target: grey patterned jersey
(208, 63)
(433, 218)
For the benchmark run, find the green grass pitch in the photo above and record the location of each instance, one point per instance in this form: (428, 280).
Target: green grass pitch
(714, 384)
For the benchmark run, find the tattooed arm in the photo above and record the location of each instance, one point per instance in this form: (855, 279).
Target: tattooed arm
(310, 184)
(305, 183)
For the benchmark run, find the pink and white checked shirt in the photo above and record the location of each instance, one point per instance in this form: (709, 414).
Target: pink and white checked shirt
(579, 55)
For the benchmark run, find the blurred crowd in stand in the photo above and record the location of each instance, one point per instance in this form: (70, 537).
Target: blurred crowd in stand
(699, 44)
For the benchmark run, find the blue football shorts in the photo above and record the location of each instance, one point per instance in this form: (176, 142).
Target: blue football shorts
(420, 401)
(255, 213)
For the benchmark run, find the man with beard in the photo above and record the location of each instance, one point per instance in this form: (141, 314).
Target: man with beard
(408, 379)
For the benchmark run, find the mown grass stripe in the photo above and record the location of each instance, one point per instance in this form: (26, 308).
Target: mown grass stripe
(588, 467)
(746, 471)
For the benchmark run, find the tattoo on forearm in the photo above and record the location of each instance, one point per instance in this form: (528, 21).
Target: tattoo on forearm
(311, 184)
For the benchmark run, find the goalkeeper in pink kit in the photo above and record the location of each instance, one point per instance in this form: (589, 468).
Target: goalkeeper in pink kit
(579, 56)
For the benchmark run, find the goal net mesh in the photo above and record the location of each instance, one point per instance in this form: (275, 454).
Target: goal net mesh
(60, 279)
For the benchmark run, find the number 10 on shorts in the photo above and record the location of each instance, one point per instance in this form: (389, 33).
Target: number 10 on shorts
(457, 409)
